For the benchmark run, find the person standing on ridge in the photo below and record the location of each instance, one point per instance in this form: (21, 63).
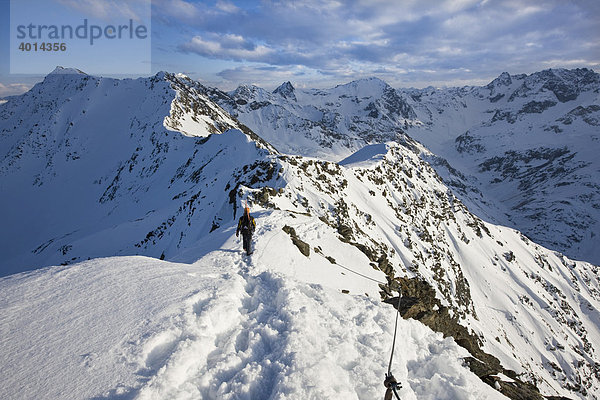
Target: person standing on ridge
(246, 225)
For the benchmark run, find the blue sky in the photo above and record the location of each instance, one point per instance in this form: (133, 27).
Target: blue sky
(321, 43)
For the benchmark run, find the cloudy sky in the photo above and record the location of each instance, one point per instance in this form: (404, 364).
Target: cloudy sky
(320, 43)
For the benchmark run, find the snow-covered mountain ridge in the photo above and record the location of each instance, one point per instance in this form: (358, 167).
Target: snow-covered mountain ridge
(98, 167)
(529, 143)
(521, 150)
(328, 124)
(400, 215)
(90, 164)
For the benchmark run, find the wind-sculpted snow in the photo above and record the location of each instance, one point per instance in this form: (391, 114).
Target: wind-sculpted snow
(367, 155)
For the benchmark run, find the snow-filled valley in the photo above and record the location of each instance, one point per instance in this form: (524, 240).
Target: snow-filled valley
(122, 276)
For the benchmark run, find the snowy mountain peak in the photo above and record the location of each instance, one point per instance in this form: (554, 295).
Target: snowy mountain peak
(182, 76)
(245, 92)
(105, 139)
(327, 123)
(367, 156)
(370, 80)
(160, 75)
(565, 84)
(66, 71)
(502, 80)
(286, 90)
(364, 87)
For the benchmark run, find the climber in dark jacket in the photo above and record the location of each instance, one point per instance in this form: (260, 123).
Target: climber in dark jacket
(246, 225)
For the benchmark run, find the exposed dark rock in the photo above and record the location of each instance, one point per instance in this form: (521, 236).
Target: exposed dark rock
(302, 246)
(419, 302)
(466, 143)
(589, 114)
(255, 105)
(345, 231)
(509, 256)
(507, 116)
(496, 98)
(286, 90)
(536, 107)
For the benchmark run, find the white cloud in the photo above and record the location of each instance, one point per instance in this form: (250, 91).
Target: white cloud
(107, 9)
(262, 75)
(476, 39)
(13, 89)
(228, 46)
(563, 62)
(227, 6)
(179, 9)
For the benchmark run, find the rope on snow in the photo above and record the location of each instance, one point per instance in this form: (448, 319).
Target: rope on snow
(390, 382)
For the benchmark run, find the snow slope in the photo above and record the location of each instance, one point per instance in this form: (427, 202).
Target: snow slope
(221, 327)
(532, 308)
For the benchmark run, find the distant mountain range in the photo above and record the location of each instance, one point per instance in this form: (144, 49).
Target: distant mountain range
(522, 151)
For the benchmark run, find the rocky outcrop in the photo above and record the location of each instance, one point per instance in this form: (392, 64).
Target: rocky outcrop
(418, 302)
(302, 246)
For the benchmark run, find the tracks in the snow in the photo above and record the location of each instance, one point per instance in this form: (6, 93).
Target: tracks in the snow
(226, 341)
